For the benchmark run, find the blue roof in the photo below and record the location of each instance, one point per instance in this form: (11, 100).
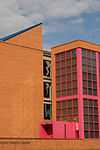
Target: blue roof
(17, 33)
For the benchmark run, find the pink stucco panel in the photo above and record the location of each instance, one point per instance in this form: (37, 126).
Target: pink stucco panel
(58, 129)
(72, 129)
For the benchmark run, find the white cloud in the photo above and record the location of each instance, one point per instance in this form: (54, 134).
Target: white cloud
(16, 14)
(10, 18)
(58, 8)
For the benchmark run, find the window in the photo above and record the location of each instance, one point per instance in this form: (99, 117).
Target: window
(47, 89)
(89, 91)
(66, 73)
(84, 90)
(46, 68)
(91, 124)
(47, 111)
(84, 75)
(89, 72)
(67, 110)
(90, 84)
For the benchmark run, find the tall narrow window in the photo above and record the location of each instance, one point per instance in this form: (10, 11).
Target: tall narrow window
(89, 72)
(47, 111)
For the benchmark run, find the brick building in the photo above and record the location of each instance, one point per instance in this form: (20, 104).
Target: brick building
(76, 88)
(21, 104)
(37, 101)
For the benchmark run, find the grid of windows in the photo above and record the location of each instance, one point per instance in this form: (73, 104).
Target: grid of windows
(66, 73)
(67, 110)
(91, 124)
(89, 72)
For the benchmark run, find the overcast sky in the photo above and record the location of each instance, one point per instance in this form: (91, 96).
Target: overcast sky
(63, 20)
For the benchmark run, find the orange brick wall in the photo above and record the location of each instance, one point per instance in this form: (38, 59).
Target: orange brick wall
(21, 98)
(31, 38)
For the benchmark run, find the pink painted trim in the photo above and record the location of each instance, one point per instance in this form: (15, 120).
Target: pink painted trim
(53, 87)
(90, 97)
(80, 92)
(66, 97)
(98, 87)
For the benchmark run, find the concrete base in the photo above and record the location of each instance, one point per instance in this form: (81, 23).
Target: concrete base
(37, 144)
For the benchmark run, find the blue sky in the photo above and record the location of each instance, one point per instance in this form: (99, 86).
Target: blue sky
(64, 20)
(86, 27)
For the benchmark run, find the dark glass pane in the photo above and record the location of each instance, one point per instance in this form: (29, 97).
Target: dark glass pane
(57, 93)
(73, 53)
(89, 54)
(64, 111)
(74, 68)
(68, 77)
(84, 90)
(89, 84)
(85, 102)
(58, 80)
(91, 118)
(64, 93)
(85, 126)
(69, 111)
(94, 76)
(90, 110)
(96, 119)
(84, 61)
(47, 111)
(95, 103)
(94, 69)
(75, 102)
(94, 84)
(46, 89)
(90, 103)
(86, 134)
(84, 76)
(74, 84)
(63, 104)
(96, 126)
(94, 92)
(75, 91)
(69, 92)
(89, 69)
(89, 62)
(74, 76)
(84, 68)
(91, 126)
(58, 73)
(58, 105)
(91, 134)
(86, 118)
(58, 57)
(86, 110)
(75, 110)
(73, 61)
(95, 110)
(83, 52)
(93, 55)
(89, 76)
(46, 68)
(97, 134)
(68, 54)
(69, 103)
(62, 55)
(89, 91)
